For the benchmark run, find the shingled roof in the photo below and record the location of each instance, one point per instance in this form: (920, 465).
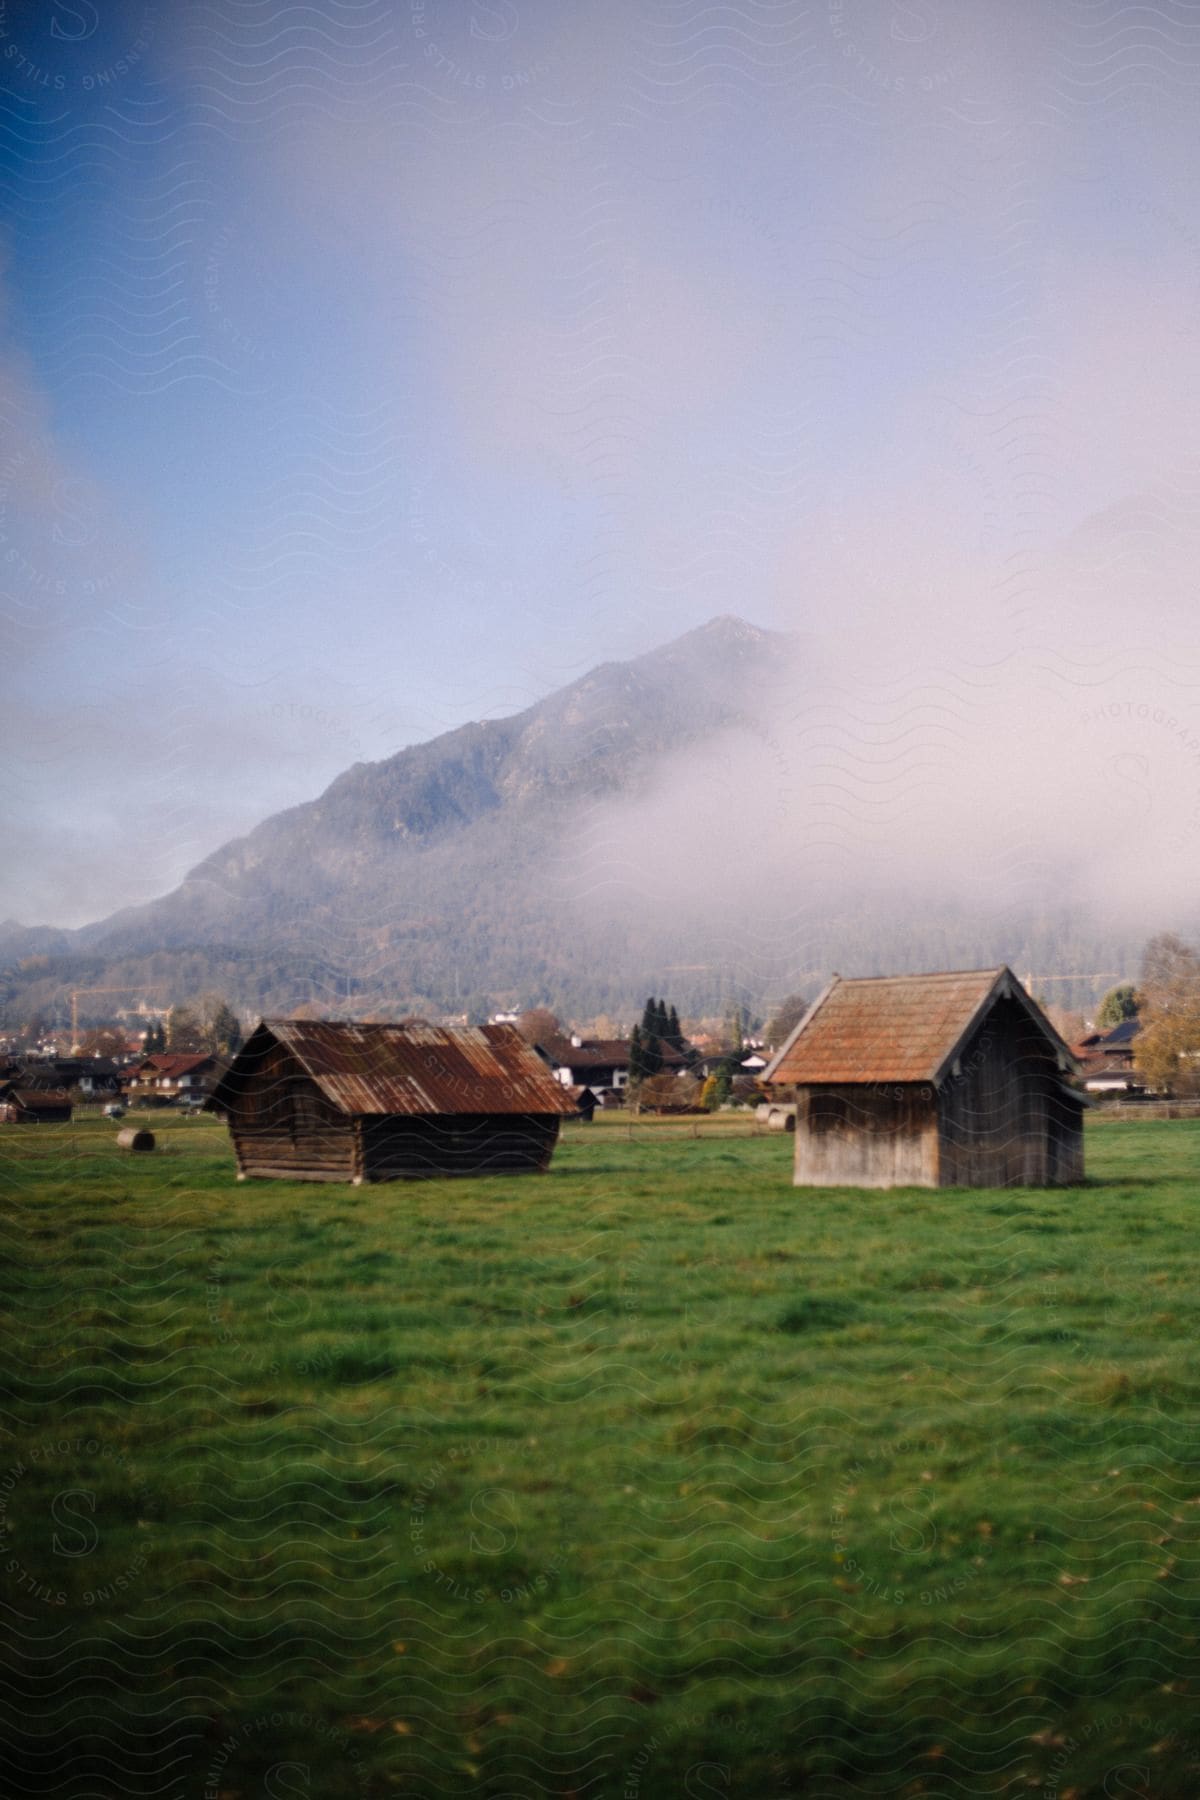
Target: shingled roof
(413, 1069)
(896, 1028)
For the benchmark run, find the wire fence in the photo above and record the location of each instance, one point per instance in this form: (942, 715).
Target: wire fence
(1149, 1109)
(655, 1129)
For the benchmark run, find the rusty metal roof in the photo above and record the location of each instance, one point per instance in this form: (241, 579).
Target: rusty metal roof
(39, 1099)
(415, 1068)
(895, 1027)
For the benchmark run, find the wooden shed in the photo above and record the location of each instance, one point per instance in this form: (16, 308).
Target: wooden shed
(310, 1100)
(35, 1106)
(955, 1079)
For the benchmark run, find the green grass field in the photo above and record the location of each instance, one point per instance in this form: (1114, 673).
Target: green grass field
(650, 1476)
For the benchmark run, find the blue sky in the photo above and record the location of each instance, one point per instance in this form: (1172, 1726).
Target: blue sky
(373, 366)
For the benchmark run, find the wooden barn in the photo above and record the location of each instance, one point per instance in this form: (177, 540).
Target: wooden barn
(948, 1080)
(34, 1106)
(309, 1100)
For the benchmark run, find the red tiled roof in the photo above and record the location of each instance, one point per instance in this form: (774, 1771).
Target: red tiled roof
(592, 1053)
(172, 1064)
(892, 1027)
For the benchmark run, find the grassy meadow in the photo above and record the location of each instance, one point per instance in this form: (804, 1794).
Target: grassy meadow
(652, 1476)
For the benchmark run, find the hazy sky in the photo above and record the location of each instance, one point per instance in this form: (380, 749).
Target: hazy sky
(372, 366)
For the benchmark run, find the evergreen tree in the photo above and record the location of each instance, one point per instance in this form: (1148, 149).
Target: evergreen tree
(647, 1035)
(225, 1030)
(659, 1031)
(184, 1030)
(1119, 1004)
(636, 1068)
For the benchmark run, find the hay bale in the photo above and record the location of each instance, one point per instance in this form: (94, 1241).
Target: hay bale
(131, 1139)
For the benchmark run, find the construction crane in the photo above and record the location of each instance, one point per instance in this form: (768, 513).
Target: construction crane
(140, 987)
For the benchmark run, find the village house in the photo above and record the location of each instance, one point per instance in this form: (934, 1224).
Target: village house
(599, 1063)
(1106, 1059)
(96, 1077)
(168, 1076)
(602, 1064)
(954, 1079)
(312, 1100)
(92, 1076)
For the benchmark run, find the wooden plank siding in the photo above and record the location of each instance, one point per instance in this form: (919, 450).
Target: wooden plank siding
(857, 1135)
(1005, 1116)
(282, 1125)
(950, 1079)
(462, 1144)
(285, 1126)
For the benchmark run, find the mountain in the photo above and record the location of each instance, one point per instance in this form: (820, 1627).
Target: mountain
(710, 820)
(385, 834)
(426, 878)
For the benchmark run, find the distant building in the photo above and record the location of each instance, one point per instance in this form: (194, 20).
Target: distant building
(745, 1062)
(93, 1076)
(954, 1079)
(598, 1063)
(1106, 1059)
(602, 1063)
(170, 1075)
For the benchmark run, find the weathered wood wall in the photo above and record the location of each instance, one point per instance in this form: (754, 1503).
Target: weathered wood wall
(1006, 1118)
(866, 1136)
(461, 1144)
(1003, 1117)
(282, 1125)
